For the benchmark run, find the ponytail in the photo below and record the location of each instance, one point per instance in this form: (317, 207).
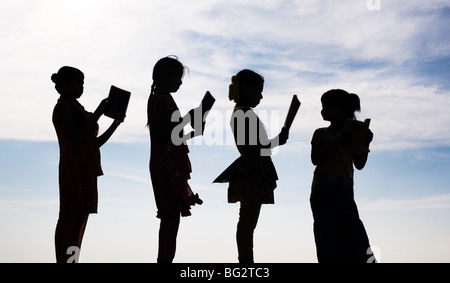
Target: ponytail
(245, 78)
(354, 104)
(348, 102)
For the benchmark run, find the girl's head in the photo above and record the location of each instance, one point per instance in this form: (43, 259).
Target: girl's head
(69, 82)
(339, 104)
(246, 88)
(168, 73)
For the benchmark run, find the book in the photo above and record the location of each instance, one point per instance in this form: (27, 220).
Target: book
(117, 103)
(293, 109)
(357, 130)
(206, 104)
(199, 114)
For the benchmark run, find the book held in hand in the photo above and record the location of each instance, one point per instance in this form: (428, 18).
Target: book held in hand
(200, 113)
(117, 103)
(357, 130)
(207, 103)
(197, 116)
(293, 108)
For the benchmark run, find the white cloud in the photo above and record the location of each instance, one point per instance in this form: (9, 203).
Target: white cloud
(430, 202)
(304, 48)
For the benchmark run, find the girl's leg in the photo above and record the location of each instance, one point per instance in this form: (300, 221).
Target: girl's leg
(168, 231)
(248, 218)
(327, 234)
(356, 235)
(69, 233)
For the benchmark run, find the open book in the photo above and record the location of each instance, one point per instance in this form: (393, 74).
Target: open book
(197, 117)
(206, 104)
(200, 113)
(117, 103)
(357, 130)
(293, 108)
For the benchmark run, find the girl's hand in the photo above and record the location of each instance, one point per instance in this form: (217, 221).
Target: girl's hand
(102, 106)
(369, 137)
(101, 109)
(197, 122)
(283, 136)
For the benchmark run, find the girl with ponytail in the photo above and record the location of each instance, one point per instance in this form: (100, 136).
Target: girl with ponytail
(339, 233)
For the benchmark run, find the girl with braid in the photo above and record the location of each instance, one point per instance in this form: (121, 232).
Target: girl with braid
(170, 166)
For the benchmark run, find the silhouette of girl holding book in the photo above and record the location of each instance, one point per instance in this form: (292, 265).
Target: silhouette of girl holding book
(170, 166)
(339, 233)
(252, 177)
(79, 163)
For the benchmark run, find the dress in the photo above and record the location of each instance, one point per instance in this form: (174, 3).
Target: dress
(170, 166)
(339, 233)
(252, 176)
(79, 163)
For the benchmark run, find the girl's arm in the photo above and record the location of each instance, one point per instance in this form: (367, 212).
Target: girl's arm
(98, 112)
(169, 130)
(319, 153)
(163, 130)
(281, 139)
(360, 160)
(101, 140)
(65, 116)
(195, 118)
(321, 147)
(163, 125)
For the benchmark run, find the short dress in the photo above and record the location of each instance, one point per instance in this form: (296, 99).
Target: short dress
(339, 233)
(252, 177)
(169, 164)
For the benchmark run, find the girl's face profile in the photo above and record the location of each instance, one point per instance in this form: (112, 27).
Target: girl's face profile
(330, 110)
(254, 95)
(75, 87)
(174, 81)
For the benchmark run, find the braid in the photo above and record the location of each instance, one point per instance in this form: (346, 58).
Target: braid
(148, 103)
(153, 88)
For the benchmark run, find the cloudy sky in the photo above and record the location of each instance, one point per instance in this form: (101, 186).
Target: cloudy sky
(394, 54)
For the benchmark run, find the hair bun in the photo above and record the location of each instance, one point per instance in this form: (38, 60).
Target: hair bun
(233, 90)
(55, 78)
(234, 80)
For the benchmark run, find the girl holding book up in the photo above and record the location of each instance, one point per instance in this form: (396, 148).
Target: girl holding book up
(79, 162)
(339, 233)
(170, 167)
(252, 177)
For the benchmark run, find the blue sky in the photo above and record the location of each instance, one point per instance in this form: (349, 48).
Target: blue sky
(396, 59)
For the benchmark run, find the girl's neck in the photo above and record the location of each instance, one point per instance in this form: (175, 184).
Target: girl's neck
(67, 97)
(337, 125)
(162, 90)
(242, 105)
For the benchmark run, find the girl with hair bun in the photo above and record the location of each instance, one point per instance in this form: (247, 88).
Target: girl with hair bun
(339, 233)
(79, 163)
(252, 177)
